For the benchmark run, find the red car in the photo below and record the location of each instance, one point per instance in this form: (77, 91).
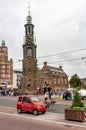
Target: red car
(30, 103)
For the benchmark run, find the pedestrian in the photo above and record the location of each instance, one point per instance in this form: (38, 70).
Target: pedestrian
(46, 99)
(50, 94)
(62, 93)
(46, 96)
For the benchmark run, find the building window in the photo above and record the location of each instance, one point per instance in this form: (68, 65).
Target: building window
(54, 81)
(3, 71)
(62, 81)
(59, 81)
(4, 49)
(3, 66)
(2, 62)
(8, 71)
(3, 58)
(8, 66)
(8, 76)
(3, 75)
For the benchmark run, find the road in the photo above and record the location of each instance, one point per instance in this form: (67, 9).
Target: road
(56, 108)
(19, 123)
(51, 121)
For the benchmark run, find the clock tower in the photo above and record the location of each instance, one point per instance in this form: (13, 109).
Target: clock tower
(29, 57)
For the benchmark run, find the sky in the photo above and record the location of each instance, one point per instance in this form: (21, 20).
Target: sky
(60, 30)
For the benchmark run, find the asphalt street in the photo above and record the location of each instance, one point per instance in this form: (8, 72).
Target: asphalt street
(57, 118)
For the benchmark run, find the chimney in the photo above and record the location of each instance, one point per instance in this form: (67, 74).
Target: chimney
(60, 67)
(45, 63)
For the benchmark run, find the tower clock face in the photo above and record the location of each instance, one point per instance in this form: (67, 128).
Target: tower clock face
(29, 52)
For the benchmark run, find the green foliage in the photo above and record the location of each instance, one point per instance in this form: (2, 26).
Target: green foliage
(77, 104)
(75, 81)
(79, 108)
(77, 101)
(76, 108)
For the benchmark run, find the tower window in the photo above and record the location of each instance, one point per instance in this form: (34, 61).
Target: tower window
(29, 30)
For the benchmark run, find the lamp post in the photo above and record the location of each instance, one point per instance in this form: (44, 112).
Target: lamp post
(85, 59)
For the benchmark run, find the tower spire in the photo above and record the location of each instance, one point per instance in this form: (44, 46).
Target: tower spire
(28, 8)
(29, 18)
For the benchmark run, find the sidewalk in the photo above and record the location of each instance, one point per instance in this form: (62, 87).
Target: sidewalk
(48, 117)
(51, 117)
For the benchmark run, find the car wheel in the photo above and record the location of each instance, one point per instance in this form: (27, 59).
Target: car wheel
(19, 110)
(35, 112)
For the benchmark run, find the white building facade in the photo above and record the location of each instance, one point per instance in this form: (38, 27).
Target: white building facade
(17, 77)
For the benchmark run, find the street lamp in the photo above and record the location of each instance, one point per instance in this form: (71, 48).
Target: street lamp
(85, 59)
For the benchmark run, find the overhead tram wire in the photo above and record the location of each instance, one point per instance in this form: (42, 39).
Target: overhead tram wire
(62, 53)
(65, 60)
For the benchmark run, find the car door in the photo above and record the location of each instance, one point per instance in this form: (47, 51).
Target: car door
(26, 104)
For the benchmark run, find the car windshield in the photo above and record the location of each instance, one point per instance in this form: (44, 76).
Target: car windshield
(35, 99)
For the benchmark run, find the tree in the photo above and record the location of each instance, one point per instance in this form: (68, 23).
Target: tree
(75, 81)
(77, 101)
